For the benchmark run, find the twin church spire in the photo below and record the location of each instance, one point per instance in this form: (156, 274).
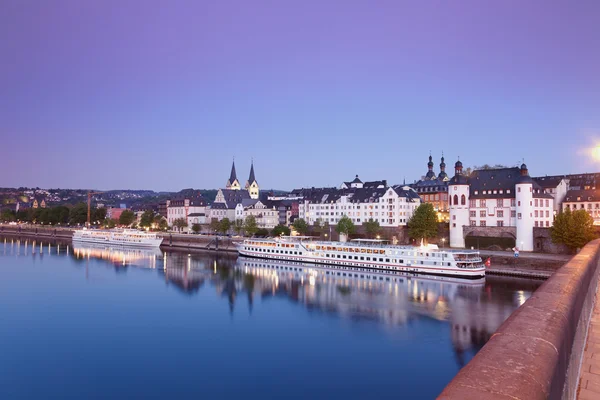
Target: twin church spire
(251, 185)
(443, 176)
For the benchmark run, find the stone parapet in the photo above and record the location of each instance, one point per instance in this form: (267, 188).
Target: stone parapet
(536, 353)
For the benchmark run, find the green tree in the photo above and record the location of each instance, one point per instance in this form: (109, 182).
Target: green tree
(262, 232)
(238, 226)
(345, 226)
(126, 218)
(280, 230)
(7, 216)
(78, 214)
(573, 229)
(180, 223)
(110, 223)
(300, 226)
(214, 225)
(224, 225)
(423, 224)
(147, 219)
(372, 227)
(250, 226)
(163, 225)
(196, 228)
(98, 214)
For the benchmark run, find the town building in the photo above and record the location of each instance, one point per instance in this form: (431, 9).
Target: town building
(38, 202)
(163, 207)
(191, 209)
(504, 197)
(588, 200)
(391, 206)
(434, 189)
(556, 186)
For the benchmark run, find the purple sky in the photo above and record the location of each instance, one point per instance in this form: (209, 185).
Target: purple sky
(162, 95)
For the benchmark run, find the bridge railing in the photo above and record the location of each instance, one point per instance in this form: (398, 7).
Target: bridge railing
(536, 353)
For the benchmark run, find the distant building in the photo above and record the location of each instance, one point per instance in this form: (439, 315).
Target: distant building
(588, 200)
(38, 202)
(391, 206)
(114, 213)
(556, 186)
(163, 207)
(505, 197)
(192, 210)
(434, 189)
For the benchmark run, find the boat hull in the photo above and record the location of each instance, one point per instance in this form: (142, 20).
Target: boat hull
(475, 273)
(149, 243)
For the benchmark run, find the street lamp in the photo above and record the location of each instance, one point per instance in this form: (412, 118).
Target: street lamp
(443, 242)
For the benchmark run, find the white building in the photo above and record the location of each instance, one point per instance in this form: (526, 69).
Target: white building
(192, 210)
(588, 200)
(556, 186)
(391, 206)
(505, 197)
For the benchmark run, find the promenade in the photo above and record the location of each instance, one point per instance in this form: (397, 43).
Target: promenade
(589, 382)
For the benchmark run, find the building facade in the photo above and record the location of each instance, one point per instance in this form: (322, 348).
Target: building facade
(588, 200)
(391, 206)
(192, 210)
(505, 197)
(434, 189)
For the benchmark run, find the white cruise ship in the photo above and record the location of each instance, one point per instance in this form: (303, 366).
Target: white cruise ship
(122, 237)
(365, 253)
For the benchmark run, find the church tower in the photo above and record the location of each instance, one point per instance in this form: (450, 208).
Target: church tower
(251, 184)
(430, 174)
(443, 176)
(458, 200)
(524, 209)
(233, 182)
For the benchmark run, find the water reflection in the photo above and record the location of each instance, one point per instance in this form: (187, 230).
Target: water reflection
(470, 310)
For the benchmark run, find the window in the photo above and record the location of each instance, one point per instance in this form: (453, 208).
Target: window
(473, 223)
(455, 200)
(472, 203)
(519, 189)
(536, 202)
(519, 216)
(482, 203)
(463, 200)
(481, 223)
(482, 213)
(499, 223)
(499, 203)
(536, 224)
(500, 213)
(512, 202)
(547, 203)
(536, 213)
(472, 214)
(547, 224)
(513, 213)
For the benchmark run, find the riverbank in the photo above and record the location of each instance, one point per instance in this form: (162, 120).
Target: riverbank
(527, 265)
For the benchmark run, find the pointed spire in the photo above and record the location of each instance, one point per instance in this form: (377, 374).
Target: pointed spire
(252, 178)
(232, 176)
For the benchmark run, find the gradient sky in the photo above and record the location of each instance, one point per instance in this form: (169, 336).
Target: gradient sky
(162, 94)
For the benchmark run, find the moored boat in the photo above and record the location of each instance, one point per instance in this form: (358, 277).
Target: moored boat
(368, 253)
(121, 237)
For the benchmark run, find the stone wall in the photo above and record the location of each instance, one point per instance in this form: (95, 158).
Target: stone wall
(536, 353)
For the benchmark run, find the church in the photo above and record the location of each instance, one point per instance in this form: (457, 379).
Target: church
(434, 189)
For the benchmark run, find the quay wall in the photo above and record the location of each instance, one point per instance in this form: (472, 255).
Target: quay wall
(536, 353)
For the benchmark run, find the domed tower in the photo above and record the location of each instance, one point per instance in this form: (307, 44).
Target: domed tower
(252, 184)
(524, 209)
(458, 200)
(430, 174)
(443, 176)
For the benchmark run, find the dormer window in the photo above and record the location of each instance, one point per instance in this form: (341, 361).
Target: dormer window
(476, 192)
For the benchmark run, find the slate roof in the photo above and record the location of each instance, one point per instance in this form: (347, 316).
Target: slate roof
(434, 185)
(196, 215)
(235, 196)
(356, 180)
(354, 195)
(547, 182)
(574, 196)
(251, 178)
(498, 179)
(233, 175)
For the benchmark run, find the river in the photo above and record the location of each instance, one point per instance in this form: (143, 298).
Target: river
(97, 323)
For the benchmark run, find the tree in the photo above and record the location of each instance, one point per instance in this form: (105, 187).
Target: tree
(214, 225)
(98, 214)
(262, 232)
(110, 223)
(250, 226)
(300, 226)
(147, 219)
(372, 227)
(573, 229)
(78, 214)
(280, 230)
(345, 226)
(127, 217)
(180, 223)
(423, 224)
(7, 216)
(238, 226)
(196, 228)
(163, 225)
(224, 225)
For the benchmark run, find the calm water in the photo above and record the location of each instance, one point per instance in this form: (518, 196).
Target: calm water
(99, 323)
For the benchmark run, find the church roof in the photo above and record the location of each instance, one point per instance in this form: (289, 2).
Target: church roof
(356, 180)
(251, 178)
(232, 176)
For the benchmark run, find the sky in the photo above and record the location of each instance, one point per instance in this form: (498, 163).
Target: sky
(163, 95)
